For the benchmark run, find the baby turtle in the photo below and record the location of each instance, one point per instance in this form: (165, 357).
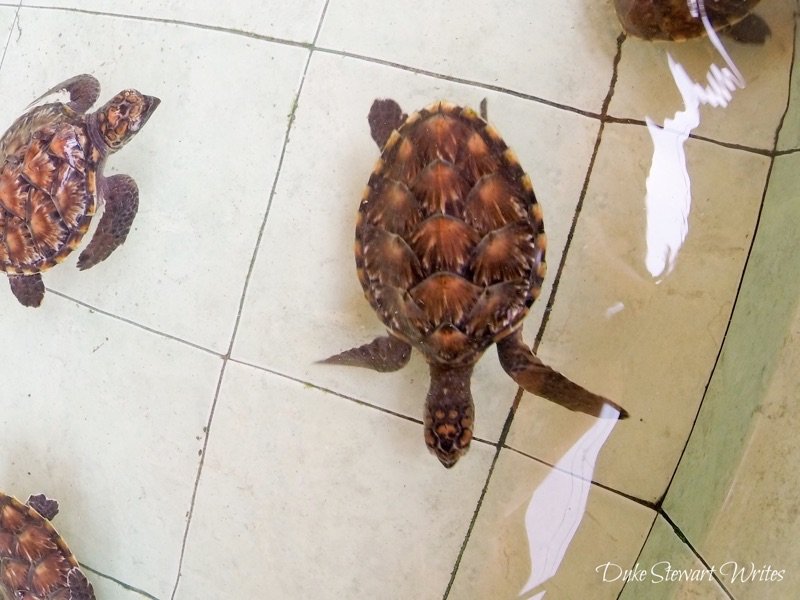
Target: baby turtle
(52, 182)
(450, 252)
(35, 562)
(673, 19)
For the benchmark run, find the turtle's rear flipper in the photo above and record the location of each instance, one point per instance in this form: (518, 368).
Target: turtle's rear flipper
(384, 117)
(384, 354)
(750, 30)
(532, 375)
(44, 506)
(28, 289)
(79, 586)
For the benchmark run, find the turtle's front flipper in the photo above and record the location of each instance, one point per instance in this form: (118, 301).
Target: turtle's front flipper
(44, 506)
(79, 586)
(122, 201)
(532, 375)
(83, 92)
(28, 289)
(384, 117)
(750, 30)
(383, 354)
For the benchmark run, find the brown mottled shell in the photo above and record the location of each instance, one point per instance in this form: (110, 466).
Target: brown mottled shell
(48, 188)
(34, 559)
(450, 242)
(671, 19)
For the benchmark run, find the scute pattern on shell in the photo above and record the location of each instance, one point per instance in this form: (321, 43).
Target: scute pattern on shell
(34, 560)
(450, 242)
(47, 189)
(671, 19)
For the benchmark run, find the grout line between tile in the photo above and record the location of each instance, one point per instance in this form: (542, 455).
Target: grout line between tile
(744, 268)
(679, 534)
(14, 23)
(498, 448)
(261, 230)
(253, 258)
(217, 28)
(509, 419)
(582, 196)
(197, 479)
(694, 136)
(787, 152)
(603, 117)
(460, 80)
(122, 584)
(327, 390)
(731, 145)
(631, 497)
(134, 323)
(344, 396)
(639, 555)
(775, 153)
(343, 53)
(688, 544)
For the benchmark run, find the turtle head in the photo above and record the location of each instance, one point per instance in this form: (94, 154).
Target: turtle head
(123, 116)
(449, 413)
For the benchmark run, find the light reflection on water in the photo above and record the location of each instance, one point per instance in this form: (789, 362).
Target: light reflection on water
(558, 504)
(669, 197)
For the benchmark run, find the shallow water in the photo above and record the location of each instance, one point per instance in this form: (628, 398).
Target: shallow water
(170, 399)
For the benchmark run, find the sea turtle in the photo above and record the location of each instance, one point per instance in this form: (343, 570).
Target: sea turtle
(450, 252)
(35, 562)
(51, 182)
(673, 19)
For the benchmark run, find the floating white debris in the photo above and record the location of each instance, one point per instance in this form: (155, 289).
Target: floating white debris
(614, 309)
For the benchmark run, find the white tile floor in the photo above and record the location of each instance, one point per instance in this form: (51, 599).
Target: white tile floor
(169, 397)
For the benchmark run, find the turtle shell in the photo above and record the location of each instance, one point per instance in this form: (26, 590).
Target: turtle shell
(671, 19)
(35, 562)
(48, 188)
(450, 242)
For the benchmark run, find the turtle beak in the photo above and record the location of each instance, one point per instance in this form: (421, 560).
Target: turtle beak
(447, 455)
(448, 461)
(151, 104)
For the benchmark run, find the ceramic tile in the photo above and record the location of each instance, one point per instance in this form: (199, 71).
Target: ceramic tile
(648, 344)
(305, 494)
(6, 21)
(203, 190)
(739, 460)
(497, 559)
(667, 569)
(107, 419)
(645, 86)
(562, 51)
(296, 20)
(760, 555)
(289, 322)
